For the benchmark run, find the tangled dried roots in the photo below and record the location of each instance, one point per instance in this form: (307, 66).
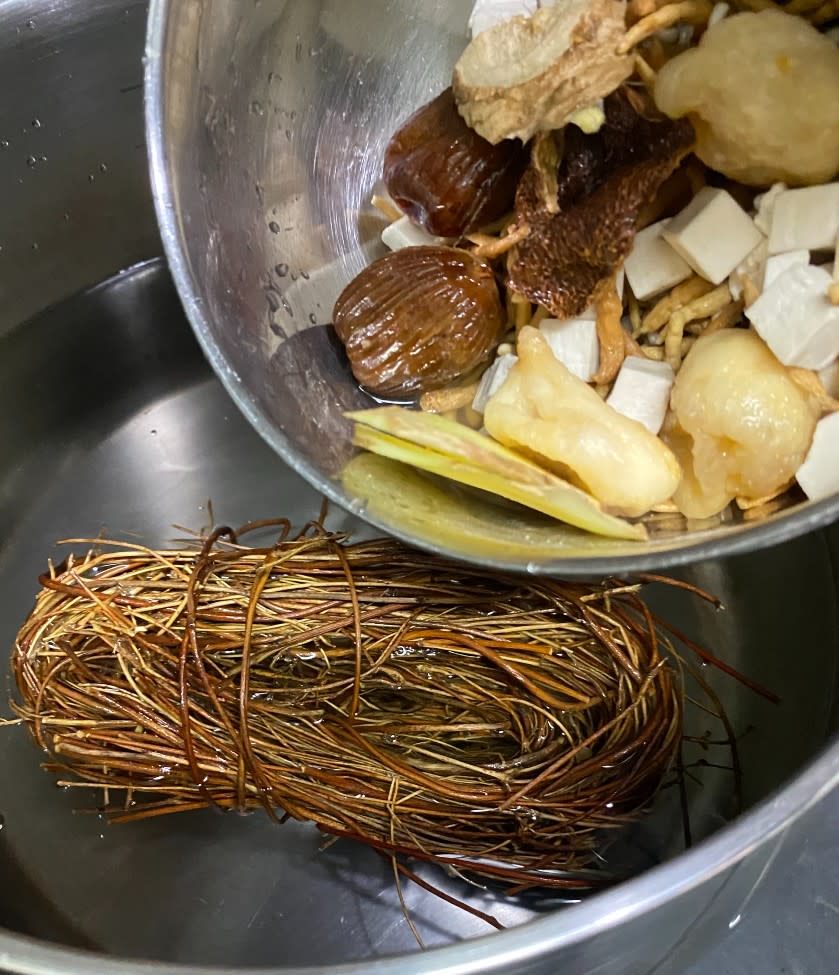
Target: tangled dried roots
(491, 722)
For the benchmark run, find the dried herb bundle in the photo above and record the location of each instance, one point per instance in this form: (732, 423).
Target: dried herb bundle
(494, 723)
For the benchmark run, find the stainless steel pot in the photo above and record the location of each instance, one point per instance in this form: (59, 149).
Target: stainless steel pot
(109, 417)
(267, 126)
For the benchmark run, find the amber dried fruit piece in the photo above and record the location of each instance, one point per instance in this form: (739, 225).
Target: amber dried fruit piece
(740, 422)
(763, 91)
(419, 318)
(445, 176)
(604, 181)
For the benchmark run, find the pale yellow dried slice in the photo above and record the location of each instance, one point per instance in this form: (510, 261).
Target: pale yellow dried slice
(441, 446)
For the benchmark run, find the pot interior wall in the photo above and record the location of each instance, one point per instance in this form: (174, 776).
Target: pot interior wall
(120, 427)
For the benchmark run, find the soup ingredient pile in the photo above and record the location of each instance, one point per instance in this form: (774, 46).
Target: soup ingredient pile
(613, 264)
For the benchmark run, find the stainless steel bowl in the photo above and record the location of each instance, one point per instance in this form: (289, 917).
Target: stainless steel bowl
(110, 417)
(267, 125)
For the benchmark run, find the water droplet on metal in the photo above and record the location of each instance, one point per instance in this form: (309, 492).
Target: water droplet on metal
(257, 109)
(31, 162)
(274, 227)
(282, 270)
(91, 178)
(103, 168)
(305, 275)
(35, 245)
(36, 123)
(313, 318)
(31, 25)
(4, 144)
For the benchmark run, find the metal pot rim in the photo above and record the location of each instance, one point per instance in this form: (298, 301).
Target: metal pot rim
(498, 951)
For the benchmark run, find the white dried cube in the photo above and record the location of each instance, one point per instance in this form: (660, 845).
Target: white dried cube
(719, 12)
(405, 233)
(492, 380)
(795, 318)
(642, 391)
(652, 265)
(753, 266)
(805, 219)
(829, 378)
(488, 13)
(819, 473)
(778, 263)
(713, 234)
(574, 343)
(765, 206)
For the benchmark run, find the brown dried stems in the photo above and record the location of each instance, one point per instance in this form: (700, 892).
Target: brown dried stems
(488, 722)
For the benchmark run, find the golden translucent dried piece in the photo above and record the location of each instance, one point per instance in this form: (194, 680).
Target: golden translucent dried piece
(441, 446)
(548, 413)
(748, 424)
(762, 90)
(532, 74)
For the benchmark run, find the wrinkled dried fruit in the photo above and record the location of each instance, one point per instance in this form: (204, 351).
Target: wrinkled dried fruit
(445, 176)
(763, 92)
(604, 181)
(531, 74)
(748, 424)
(419, 318)
(549, 414)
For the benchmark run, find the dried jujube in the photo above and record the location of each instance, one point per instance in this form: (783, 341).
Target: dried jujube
(419, 318)
(445, 176)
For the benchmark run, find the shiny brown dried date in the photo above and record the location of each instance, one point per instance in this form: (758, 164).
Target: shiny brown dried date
(445, 176)
(418, 319)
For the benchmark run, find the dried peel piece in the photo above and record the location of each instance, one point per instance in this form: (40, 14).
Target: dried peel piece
(604, 182)
(441, 446)
(544, 411)
(531, 74)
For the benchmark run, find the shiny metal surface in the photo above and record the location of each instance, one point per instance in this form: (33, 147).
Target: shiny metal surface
(76, 201)
(266, 126)
(159, 438)
(109, 417)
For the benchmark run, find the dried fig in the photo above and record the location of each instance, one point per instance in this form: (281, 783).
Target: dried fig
(419, 318)
(445, 176)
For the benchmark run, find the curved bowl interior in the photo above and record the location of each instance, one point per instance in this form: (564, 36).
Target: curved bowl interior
(267, 125)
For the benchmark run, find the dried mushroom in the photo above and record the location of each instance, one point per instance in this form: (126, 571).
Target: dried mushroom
(604, 182)
(445, 176)
(763, 92)
(545, 412)
(531, 74)
(419, 318)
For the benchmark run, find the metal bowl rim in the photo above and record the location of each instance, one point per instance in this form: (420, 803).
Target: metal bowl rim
(783, 527)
